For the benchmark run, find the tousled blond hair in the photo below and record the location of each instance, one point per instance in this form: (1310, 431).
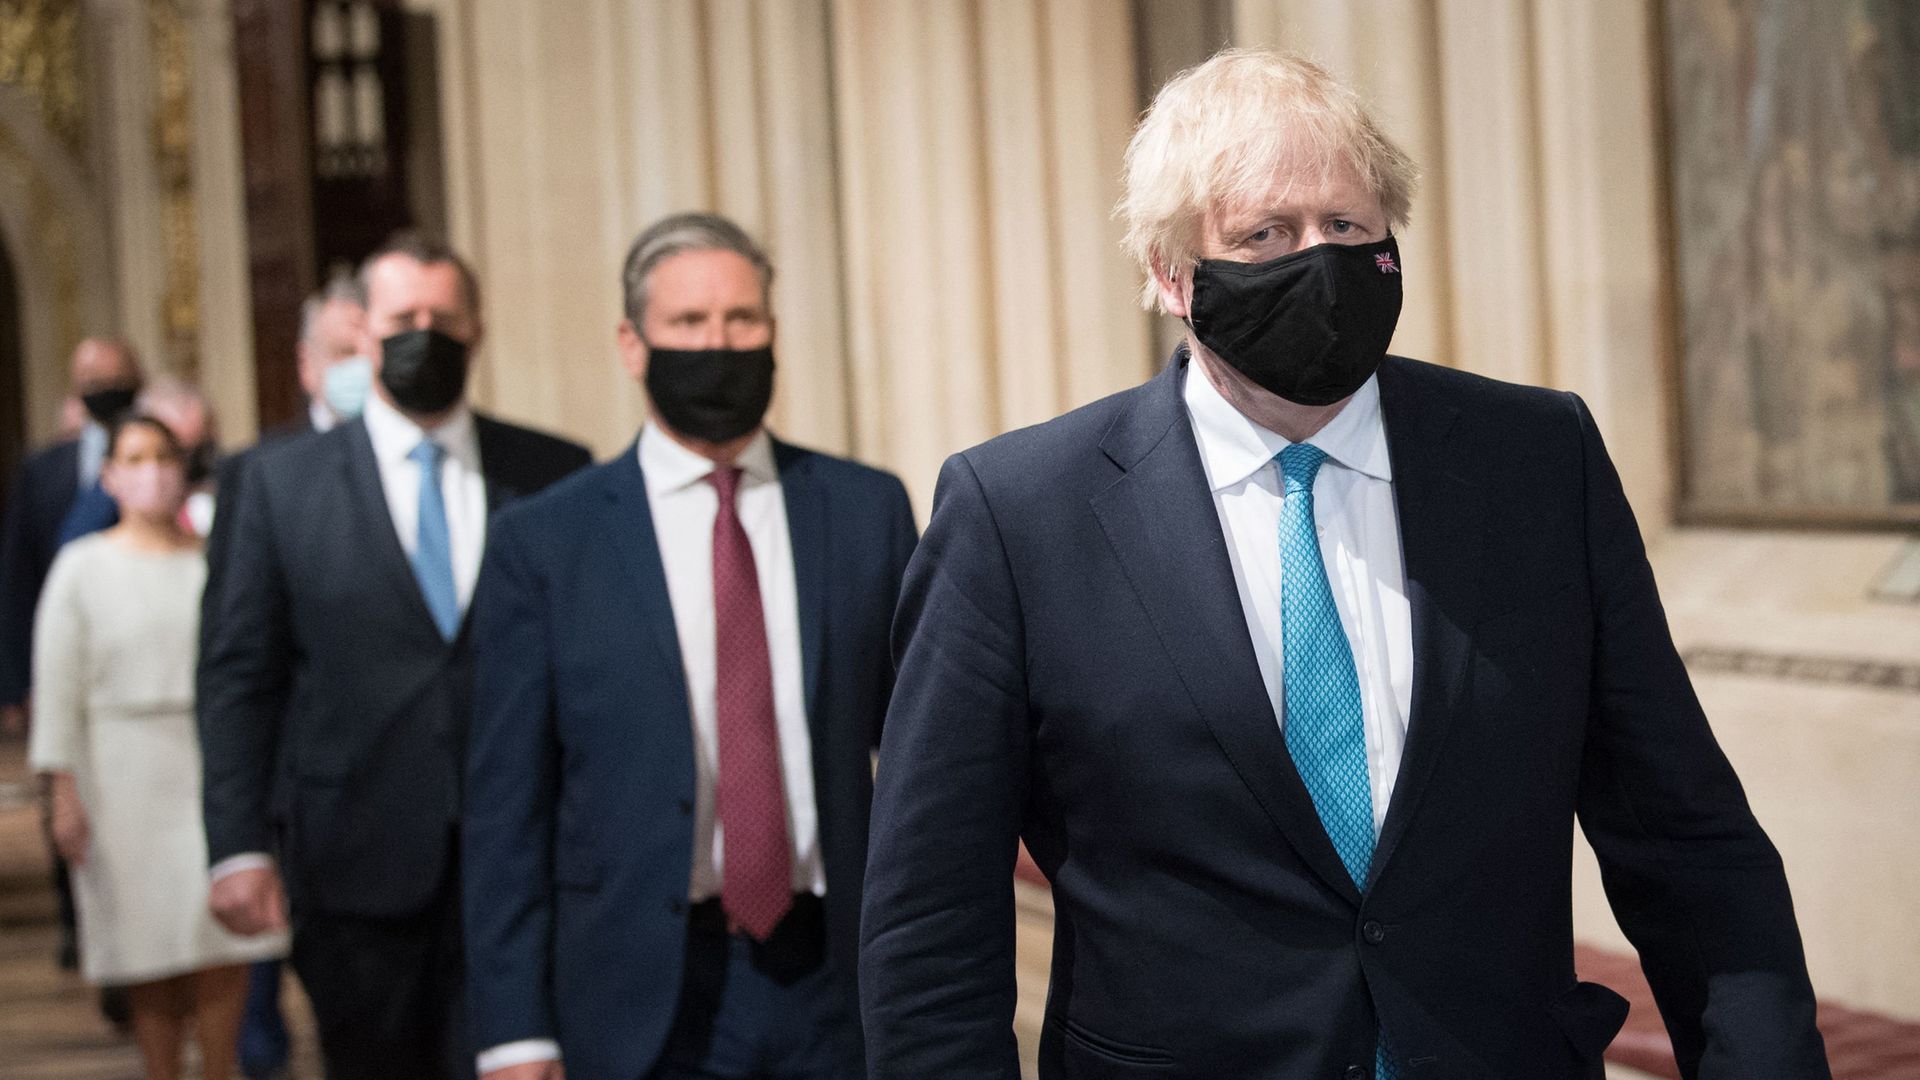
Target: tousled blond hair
(1218, 134)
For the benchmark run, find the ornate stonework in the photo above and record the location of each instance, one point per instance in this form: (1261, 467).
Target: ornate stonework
(173, 160)
(50, 238)
(40, 42)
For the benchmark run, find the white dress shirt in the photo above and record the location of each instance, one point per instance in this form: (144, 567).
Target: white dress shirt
(321, 417)
(1359, 541)
(93, 453)
(462, 487)
(683, 504)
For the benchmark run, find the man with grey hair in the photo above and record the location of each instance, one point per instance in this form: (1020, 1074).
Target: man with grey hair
(1294, 668)
(334, 373)
(682, 668)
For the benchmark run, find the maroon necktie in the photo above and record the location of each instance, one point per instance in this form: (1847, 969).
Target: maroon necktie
(757, 873)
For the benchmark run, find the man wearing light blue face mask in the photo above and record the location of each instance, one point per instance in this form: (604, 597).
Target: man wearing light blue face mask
(332, 371)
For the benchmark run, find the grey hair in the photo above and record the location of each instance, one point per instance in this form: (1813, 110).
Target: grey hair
(341, 287)
(164, 390)
(686, 232)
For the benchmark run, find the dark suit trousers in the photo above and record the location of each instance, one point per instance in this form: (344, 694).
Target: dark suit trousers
(757, 1011)
(388, 994)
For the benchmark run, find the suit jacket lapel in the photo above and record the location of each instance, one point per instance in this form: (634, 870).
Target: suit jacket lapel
(631, 528)
(1161, 521)
(369, 498)
(1442, 523)
(807, 518)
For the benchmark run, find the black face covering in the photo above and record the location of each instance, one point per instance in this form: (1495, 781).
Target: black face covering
(424, 370)
(105, 406)
(714, 395)
(1310, 326)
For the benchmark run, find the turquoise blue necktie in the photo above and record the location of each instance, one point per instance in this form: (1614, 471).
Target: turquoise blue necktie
(433, 545)
(1325, 729)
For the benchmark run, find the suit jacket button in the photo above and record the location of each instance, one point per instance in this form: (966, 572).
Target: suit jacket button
(1373, 932)
(678, 907)
(1355, 1072)
(686, 807)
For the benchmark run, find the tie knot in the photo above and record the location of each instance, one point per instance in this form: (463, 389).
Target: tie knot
(726, 480)
(1298, 465)
(428, 454)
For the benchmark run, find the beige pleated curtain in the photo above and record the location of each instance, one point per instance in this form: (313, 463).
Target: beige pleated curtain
(1536, 252)
(935, 180)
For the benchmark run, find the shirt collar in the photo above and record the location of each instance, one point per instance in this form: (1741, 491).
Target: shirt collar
(394, 436)
(93, 451)
(1234, 448)
(670, 467)
(320, 416)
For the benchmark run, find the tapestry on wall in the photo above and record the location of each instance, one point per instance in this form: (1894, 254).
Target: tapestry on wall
(1796, 181)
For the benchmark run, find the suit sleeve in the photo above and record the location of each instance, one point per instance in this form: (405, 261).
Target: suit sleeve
(1692, 879)
(59, 735)
(246, 669)
(937, 924)
(903, 536)
(17, 590)
(512, 787)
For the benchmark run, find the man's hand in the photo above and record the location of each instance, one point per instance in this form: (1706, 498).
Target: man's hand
(67, 820)
(249, 901)
(532, 1070)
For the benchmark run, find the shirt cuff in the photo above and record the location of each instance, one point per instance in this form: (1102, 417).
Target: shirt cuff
(523, 1052)
(233, 864)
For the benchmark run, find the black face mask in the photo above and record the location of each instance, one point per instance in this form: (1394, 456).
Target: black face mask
(714, 395)
(105, 406)
(425, 371)
(1310, 326)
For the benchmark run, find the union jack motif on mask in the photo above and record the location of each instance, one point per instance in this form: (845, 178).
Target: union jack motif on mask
(1385, 262)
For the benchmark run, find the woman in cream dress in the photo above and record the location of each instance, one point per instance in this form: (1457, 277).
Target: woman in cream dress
(113, 730)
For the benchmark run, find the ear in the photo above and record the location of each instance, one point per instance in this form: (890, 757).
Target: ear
(1176, 290)
(308, 369)
(633, 351)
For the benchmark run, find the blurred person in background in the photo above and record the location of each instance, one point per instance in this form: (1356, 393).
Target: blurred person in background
(114, 736)
(105, 377)
(336, 679)
(264, 1041)
(185, 410)
(336, 379)
(335, 372)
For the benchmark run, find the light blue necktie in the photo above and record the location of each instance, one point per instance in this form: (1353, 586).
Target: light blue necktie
(433, 545)
(1325, 729)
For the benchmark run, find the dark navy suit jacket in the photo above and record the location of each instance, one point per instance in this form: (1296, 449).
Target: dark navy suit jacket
(580, 781)
(37, 503)
(332, 713)
(1076, 670)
